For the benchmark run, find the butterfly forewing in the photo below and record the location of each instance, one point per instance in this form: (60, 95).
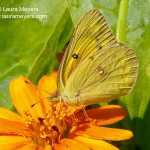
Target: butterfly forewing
(91, 34)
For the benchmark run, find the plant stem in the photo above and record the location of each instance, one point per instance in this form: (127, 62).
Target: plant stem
(121, 25)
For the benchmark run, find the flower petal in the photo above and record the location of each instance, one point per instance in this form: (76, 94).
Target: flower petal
(95, 144)
(105, 115)
(69, 144)
(12, 127)
(48, 84)
(12, 142)
(24, 95)
(30, 146)
(7, 114)
(48, 147)
(103, 133)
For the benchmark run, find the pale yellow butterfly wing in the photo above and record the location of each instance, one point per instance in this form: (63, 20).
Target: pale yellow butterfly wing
(95, 67)
(106, 75)
(91, 34)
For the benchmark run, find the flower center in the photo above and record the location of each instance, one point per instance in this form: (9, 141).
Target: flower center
(51, 128)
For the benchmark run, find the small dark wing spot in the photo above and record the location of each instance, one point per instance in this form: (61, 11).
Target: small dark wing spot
(100, 47)
(91, 57)
(97, 39)
(75, 56)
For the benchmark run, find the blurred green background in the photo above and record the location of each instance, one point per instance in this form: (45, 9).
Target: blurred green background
(29, 46)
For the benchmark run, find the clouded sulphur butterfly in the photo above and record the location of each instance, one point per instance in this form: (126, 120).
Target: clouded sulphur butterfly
(95, 68)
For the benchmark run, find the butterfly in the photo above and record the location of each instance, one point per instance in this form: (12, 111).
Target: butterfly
(95, 68)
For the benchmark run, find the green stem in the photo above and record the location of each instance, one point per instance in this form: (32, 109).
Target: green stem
(121, 25)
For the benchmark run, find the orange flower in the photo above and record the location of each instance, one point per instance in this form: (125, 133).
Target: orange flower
(44, 125)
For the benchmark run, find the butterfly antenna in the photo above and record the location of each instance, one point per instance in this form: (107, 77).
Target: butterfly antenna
(36, 86)
(39, 101)
(39, 89)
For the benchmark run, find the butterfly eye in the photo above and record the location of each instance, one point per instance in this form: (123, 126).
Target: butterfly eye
(75, 56)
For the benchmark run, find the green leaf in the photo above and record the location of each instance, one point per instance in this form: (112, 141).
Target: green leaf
(27, 46)
(56, 42)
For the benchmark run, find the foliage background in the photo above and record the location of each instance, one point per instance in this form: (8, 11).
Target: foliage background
(28, 47)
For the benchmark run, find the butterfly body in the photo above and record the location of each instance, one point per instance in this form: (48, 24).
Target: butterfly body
(95, 67)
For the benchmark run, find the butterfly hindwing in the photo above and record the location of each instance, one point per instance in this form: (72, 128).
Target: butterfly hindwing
(106, 75)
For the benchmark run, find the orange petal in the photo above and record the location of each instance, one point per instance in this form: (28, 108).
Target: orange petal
(12, 127)
(95, 144)
(47, 147)
(12, 142)
(69, 144)
(24, 95)
(74, 110)
(105, 115)
(103, 133)
(48, 84)
(7, 114)
(29, 146)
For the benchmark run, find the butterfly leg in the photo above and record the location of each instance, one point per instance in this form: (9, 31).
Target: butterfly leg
(60, 104)
(84, 112)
